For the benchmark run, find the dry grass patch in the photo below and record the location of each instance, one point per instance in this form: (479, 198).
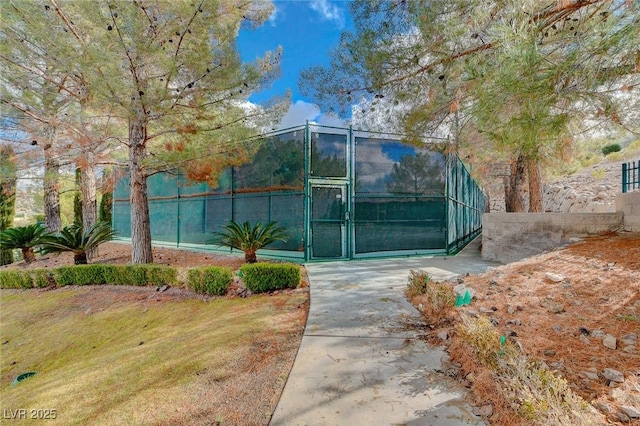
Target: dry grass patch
(147, 358)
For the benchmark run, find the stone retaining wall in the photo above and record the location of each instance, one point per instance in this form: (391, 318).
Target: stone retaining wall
(629, 205)
(508, 237)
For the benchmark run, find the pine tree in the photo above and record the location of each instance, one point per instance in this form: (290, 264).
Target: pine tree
(516, 75)
(8, 180)
(169, 74)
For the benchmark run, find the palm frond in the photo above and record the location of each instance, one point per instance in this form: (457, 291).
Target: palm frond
(249, 237)
(22, 237)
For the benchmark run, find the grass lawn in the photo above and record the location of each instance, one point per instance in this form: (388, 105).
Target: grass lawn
(125, 356)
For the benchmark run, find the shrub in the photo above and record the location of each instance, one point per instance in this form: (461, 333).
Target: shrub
(158, 274)
(417, 283)
(209, 280)
(79, 275)
(249, 237)
(72, 238)
(532, 390)
(437, 299)
(25, 238)
(140, 275)
(608, 149)
(34, 278)
(41, 278)
(15, 279)
(264, 277)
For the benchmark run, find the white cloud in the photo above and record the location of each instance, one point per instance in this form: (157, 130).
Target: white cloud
(277, 13)
(329, 12)
(298, 113)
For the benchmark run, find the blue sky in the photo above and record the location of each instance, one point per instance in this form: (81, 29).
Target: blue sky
(307, 30)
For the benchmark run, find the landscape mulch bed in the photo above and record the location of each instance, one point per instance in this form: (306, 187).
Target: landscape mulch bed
(556, 306)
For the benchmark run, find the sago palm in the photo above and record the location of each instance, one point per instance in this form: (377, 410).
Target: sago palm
(25, 238)
(73, 239)
(249, 238)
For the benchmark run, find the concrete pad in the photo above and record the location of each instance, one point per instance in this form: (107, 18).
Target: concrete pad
(362, 360)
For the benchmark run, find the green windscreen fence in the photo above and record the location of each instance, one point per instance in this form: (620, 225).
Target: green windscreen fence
(339, 194)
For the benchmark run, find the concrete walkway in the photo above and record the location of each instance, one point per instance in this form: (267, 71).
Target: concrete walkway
(361, 360)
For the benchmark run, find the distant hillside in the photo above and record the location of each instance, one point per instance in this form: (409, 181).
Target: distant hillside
(591, 189)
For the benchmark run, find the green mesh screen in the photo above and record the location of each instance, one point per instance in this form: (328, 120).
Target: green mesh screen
(328, 209)
(465, 204)
(399, 199)
(269, 188)
(338, 194)
(328, 154)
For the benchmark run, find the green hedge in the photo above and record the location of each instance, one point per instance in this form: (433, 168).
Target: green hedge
(89, 275)
(15, 279)
(209, 280)
(33, 278)
(263, 277)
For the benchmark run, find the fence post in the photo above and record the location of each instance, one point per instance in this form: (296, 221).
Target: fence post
(624, 177)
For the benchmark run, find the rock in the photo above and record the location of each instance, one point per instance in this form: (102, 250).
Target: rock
(493, 282)
(621, 416)
(484, 411)
(515, 321)
(603, 407)
(631, 349)
(583, 331)
(443, 335)
(597, 334)
(632, 412)
(459, 289)
(549, 352)
(554, 278)
(511, 310)
(556, 308)
(557, 365)
(556, 328)
(584, 339)
(590, 375)
(165, 287)
(494, 321)
(629, 339)
(470, 377)
(609, 341)
(613, 375)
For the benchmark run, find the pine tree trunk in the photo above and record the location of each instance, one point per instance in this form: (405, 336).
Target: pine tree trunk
(140, 224)
(7, 196)
(89, 205)
(77, 198)
(513, 190)
(52, 220)
(535, 186)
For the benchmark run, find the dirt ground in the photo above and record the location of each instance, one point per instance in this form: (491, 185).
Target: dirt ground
(557, 307)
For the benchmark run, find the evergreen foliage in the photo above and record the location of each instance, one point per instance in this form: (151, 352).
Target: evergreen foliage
(164, 77)
(213, 280)
(509, 81)
(8, 170)
(265, 277)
